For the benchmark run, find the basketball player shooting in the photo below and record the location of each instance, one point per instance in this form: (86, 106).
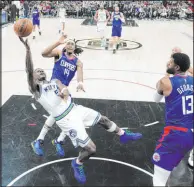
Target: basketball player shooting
(36, 21)
(102, 17)
(72, 119)
(117, 19)
(177, 137)
(66, 65)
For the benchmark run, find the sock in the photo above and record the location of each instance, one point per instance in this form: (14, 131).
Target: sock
(39, 30)
(78, 162)
(114, 46)
(34, 33)
(43, 132)
(61, 137)
(121, 132)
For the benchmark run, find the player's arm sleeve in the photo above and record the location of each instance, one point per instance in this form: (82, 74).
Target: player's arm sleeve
(158, 95)
(164, 88)
(79, 71)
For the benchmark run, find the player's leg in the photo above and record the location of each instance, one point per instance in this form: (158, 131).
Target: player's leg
(34, 29)
(101, 29)
(62, 25)
(91, 117)
(190, 160)
(58, 143)
(161, 176)
(38, 143)
(170, 150)
(73, 126)
(88, 150)
(119, 37)
(115, 38)
(38, 25)
(125, 135)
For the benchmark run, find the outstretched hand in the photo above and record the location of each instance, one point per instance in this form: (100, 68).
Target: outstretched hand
(80, 87)
(62, 39)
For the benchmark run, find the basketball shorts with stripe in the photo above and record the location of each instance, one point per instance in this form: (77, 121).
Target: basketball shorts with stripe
(74, 123)
(172, 147)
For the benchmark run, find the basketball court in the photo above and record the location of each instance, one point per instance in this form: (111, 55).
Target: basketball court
(120, 86)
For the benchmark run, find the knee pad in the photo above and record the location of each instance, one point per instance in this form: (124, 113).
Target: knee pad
(112, 128)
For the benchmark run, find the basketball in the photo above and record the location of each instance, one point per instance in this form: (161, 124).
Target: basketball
(23, 27)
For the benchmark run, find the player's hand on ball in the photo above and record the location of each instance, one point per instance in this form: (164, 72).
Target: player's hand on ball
(80, 87)
(62, 39)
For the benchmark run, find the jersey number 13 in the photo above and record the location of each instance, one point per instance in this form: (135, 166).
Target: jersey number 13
(187, 104)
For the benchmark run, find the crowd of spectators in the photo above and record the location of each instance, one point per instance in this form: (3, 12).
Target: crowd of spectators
(86, 9)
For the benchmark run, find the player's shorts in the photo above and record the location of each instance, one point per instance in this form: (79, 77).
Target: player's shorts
(171, 148)
(116, 31)
(62, 19)
(77, 117)
(36, 22)
(101, 26)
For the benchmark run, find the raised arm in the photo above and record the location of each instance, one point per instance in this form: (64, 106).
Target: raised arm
(29, 67)
(51, 51)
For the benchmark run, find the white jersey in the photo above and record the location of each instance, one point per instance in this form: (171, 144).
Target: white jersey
(50, 100)
(62, 12)
(101, 15)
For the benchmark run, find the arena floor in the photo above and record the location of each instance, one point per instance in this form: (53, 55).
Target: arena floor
(120, 86)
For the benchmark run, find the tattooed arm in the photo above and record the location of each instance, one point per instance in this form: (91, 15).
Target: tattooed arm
(33, 87)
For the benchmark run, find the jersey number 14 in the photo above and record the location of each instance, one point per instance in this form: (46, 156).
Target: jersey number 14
(187, 104)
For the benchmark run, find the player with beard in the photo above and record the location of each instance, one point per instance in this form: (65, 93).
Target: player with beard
(177, 137)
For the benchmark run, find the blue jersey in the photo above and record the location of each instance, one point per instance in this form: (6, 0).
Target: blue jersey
(65, 69)
(179, 104)
(117, 21)
(35, 14)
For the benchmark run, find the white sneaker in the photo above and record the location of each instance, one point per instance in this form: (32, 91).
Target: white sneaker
(190, 160)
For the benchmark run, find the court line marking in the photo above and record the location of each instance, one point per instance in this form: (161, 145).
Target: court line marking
(45, 116)
(66, 159)
(151, 123)
(117, 80)
(33, 106)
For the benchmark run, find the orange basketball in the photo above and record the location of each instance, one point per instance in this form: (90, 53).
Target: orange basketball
(23, 27)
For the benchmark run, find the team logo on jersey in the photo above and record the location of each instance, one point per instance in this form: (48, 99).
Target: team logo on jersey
(73, 133)
(156, 157)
